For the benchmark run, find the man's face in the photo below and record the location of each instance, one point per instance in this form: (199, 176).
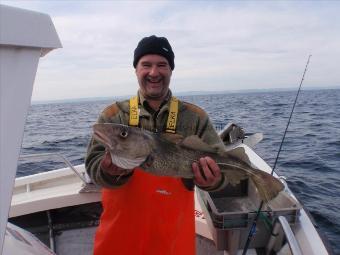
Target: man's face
(153, 74)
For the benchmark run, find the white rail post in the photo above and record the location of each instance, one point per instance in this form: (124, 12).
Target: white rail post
(25, 36)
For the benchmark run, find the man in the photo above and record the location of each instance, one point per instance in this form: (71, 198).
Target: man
(143, 213)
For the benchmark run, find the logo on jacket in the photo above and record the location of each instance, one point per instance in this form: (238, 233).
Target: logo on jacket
(163, 192)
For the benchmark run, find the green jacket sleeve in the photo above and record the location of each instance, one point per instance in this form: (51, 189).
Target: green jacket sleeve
(94, 155)
(208, 134)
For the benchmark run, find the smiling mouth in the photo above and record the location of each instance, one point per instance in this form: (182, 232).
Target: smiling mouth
(155, 84)
(155, 81)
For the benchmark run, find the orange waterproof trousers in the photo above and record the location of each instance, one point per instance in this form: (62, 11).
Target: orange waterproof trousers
(151, 215)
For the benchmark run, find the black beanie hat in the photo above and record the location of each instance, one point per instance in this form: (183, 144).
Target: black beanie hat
(154, 45)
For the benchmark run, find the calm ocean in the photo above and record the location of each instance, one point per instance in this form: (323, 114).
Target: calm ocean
(310, 157)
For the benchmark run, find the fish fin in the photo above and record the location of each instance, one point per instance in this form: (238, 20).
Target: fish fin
(238, 152)
(193, 142)
(234, 177)
(172, 138)
(267, 185)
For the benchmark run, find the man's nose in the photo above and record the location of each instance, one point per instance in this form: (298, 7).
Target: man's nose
(154, 71)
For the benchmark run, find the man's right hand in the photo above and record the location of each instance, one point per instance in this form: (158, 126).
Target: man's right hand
(111, 169)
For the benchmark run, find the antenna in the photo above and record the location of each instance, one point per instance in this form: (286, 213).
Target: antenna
(252, 230)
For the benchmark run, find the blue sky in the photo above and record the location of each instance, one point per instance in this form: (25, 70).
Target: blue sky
(228, 45)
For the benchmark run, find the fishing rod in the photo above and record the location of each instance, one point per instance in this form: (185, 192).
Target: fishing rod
(290, 116)
(252, 230)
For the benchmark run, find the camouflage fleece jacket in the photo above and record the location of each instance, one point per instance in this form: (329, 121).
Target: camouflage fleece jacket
(191, 120)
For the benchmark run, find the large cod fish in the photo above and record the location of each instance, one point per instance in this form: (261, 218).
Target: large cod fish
(172, 155)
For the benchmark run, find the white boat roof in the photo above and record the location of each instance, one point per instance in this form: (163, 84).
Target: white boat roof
(15, 24)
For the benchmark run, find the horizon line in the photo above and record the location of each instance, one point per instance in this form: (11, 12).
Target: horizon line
(182, 93)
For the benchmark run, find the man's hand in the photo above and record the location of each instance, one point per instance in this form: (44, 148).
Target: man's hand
(209, 175)
(111, 169)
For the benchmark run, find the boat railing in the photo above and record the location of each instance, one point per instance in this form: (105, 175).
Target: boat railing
(58, 156)
(292, 242)
(282, 223)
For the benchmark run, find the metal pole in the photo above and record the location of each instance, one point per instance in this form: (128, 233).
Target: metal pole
(50, 230)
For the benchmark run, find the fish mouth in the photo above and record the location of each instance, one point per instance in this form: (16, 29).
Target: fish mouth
(100, 137)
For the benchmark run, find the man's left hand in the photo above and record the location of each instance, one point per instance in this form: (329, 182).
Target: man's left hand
(209, 175)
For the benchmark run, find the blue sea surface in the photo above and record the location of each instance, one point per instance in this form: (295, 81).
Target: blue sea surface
(310, 156)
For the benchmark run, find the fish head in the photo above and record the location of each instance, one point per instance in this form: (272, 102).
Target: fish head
(129, 146)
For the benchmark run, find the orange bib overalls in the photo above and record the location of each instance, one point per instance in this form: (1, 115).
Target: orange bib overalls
(151, 215)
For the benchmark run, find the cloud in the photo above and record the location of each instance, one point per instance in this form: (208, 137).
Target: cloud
(218, 45)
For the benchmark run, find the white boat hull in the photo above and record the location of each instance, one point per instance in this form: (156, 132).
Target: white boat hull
(62, 188)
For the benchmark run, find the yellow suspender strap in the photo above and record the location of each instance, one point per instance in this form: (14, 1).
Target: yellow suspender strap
(134, 116)
(172, 118)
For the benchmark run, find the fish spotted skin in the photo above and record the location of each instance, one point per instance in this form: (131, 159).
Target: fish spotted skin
(172, 155)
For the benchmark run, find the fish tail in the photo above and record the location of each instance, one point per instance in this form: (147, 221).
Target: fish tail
(267, 185)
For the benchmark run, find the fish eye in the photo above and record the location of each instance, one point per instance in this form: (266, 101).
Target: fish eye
(124, 134)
